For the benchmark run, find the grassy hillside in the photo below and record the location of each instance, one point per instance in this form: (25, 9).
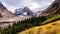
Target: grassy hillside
(55, 18)
(51, 28)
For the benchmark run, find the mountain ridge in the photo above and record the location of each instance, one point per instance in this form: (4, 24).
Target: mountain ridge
(54, 7)
(25, 9)
(2, 6)
(4, 12)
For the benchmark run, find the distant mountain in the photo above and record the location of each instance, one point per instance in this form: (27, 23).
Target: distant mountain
(25, 10)
(53, 9)
(4, 13)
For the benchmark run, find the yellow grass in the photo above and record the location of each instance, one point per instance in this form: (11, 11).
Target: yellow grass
(51, 28)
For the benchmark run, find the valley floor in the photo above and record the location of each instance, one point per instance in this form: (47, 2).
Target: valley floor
(51, 28)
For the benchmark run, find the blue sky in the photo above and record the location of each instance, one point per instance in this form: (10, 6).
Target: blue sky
(34, 5)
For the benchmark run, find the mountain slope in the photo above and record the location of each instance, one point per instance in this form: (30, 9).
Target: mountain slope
(51, 28)
(53, 9)
(4, 13)
(2, 6)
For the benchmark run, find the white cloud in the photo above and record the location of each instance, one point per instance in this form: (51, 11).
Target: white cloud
(1, 0)
(10, 8)
(32, 4)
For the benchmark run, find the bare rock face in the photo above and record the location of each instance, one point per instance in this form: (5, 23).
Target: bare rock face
(58, 1)
(1, 6)
(53, 8)
(1, 15)
(4, 13)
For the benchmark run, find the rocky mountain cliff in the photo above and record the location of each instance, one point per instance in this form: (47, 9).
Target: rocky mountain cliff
(53, 9)
(4, 13)
(2, 6)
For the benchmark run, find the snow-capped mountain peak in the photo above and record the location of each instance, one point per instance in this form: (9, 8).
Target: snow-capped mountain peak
(25, 11)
